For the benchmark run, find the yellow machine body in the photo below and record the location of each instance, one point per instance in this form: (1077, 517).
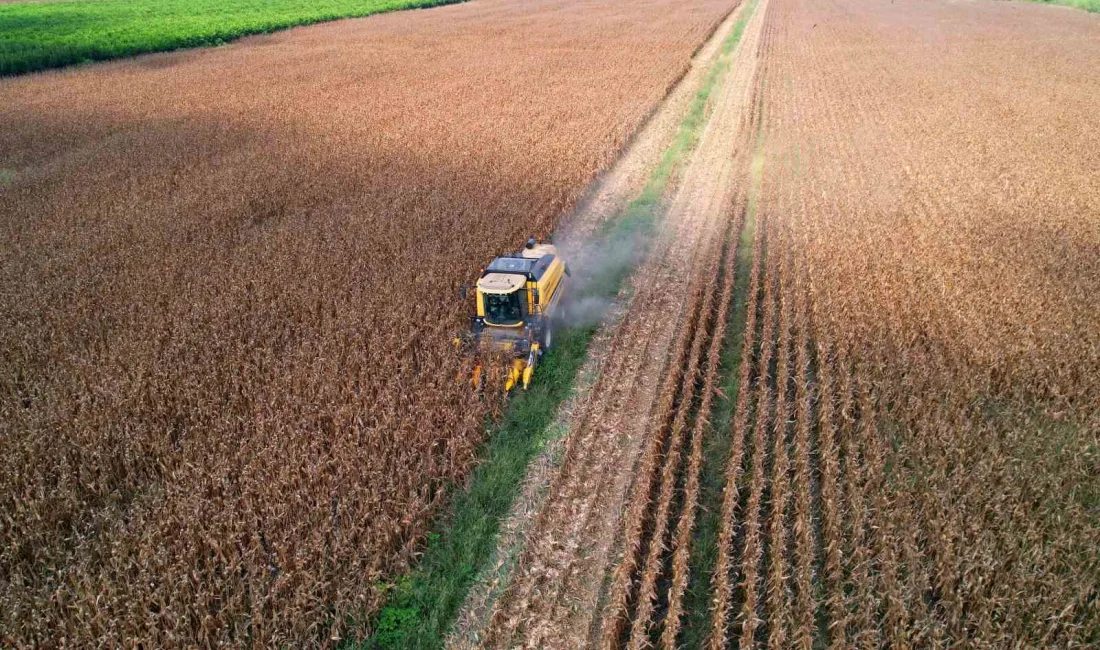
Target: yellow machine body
(519, 299)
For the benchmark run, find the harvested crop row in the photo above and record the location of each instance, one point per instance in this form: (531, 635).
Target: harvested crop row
(685, 526)
(227, 310)
(724, 574)
(661, 516)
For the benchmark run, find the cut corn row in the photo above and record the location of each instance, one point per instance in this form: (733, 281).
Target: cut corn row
(686, 524)
(725, 566)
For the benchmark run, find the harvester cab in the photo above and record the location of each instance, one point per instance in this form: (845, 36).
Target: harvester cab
(519, 302)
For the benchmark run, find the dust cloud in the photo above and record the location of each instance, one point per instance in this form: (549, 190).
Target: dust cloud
(597, 266)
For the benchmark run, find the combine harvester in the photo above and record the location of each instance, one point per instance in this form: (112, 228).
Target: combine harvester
(519, 303)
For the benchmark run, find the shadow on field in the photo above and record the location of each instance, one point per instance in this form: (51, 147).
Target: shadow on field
(180, 285)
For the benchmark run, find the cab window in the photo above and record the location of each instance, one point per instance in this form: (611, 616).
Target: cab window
(503, 309)
(511, 265)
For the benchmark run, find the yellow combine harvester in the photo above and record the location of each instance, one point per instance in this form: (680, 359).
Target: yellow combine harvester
(519, 301)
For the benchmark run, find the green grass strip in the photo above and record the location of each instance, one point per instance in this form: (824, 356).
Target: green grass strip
(40, 35)
(1087, 5)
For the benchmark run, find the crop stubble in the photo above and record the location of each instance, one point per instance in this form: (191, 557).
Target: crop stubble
(229, 404)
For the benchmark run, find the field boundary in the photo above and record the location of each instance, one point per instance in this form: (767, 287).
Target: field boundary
(89, 46)
(1091, 6)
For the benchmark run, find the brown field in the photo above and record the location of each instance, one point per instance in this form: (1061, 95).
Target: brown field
(229, 284)
(230, 276)
(914, 444)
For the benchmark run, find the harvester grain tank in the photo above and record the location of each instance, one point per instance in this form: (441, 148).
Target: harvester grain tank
(519, 300)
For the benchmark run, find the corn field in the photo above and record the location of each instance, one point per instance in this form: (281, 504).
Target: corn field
(228, 405)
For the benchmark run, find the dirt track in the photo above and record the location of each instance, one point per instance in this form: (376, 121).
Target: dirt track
(606, 198)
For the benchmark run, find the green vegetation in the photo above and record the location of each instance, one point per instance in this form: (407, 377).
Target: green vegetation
(39, 35)
(1087, 5)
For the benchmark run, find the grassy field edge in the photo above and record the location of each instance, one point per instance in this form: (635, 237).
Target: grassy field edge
(1092, 6)
(43, 35)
